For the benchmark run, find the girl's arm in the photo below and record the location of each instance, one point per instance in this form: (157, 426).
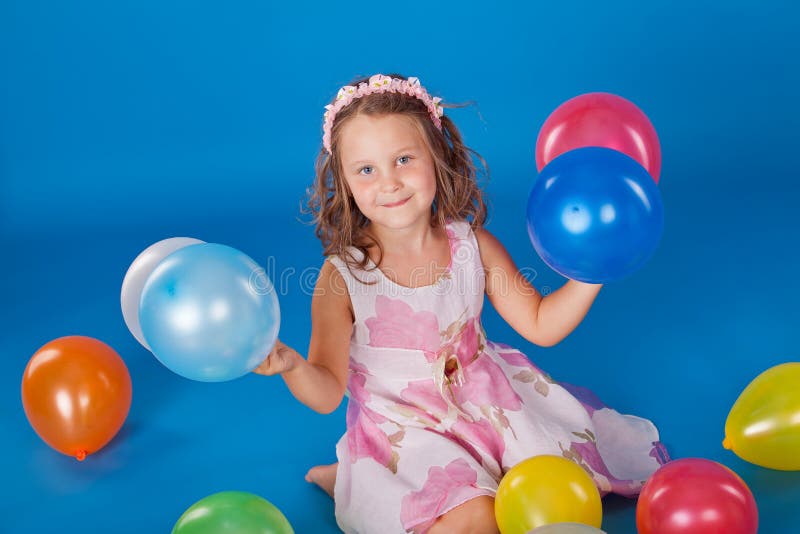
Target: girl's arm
(541, 320)
(320, 381)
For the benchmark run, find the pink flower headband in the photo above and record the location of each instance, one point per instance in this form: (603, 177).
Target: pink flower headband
(379, 84)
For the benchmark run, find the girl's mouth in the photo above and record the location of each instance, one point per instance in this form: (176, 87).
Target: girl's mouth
(395, 204)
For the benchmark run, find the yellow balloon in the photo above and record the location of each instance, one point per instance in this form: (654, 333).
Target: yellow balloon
(763, 427)
(543, 490)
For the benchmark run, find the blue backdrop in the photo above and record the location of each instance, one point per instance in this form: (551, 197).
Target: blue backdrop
(123, 123)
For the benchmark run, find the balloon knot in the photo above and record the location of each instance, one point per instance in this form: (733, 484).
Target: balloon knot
(727, 443)
(80, 455)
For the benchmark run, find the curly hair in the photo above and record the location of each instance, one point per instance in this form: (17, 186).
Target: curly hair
(339, 222)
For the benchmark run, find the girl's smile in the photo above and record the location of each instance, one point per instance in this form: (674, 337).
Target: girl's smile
(396, 204)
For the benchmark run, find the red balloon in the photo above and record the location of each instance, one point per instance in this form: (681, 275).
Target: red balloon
(76, 392)
(694, 495)
(604, 120)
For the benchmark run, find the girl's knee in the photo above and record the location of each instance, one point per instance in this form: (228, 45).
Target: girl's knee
(474, 516)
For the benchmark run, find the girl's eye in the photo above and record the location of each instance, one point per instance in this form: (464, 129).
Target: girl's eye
(365, 170)
(404, 159)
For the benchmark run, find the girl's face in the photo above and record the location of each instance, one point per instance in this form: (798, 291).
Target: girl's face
(389, 169)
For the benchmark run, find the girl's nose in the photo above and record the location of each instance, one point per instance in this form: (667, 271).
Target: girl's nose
(390, 182)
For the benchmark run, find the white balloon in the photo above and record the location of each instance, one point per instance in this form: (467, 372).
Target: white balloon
(566, 528)
(137, 275)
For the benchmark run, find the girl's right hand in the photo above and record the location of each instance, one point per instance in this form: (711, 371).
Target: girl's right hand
(280, 360)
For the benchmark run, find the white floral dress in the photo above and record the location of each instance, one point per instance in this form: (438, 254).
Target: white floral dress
(437, 413)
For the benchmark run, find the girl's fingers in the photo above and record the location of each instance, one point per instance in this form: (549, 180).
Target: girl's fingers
(273, 362)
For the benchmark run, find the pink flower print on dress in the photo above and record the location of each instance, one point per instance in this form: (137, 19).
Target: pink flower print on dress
(424, 394)
(468, 343)
(365, 439)
(356, 367)
(396, 325)
(512, 356)
(659, 452)
(529, 374)
(444, 488)
(483, 435)
(424, 403)
(356, 384)
(485, 384)
(462, 442)
(585, 453)
(476, 379)
(462, 342)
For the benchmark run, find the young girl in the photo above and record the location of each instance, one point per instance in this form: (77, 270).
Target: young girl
(437, 413)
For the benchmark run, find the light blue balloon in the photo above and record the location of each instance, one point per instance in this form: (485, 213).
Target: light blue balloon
(209, 313)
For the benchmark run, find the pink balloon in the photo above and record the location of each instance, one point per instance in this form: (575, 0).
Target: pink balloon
(604, 120)
(694, 495)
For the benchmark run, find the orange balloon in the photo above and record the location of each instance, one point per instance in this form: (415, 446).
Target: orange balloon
(76, 392)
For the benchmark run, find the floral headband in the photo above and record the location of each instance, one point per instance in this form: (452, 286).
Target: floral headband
(379, 84)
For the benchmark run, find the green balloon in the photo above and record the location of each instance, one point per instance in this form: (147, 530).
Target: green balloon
(232, 512)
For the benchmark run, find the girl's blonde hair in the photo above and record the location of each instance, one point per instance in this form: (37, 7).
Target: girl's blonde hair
(339, 222)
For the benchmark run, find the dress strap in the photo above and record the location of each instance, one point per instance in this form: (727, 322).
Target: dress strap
(466, 265)
(362, 285)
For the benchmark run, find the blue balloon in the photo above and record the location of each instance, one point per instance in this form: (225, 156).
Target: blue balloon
(595, 215)
(209, 313)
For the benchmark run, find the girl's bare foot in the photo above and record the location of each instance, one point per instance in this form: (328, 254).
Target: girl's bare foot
(323, 476)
